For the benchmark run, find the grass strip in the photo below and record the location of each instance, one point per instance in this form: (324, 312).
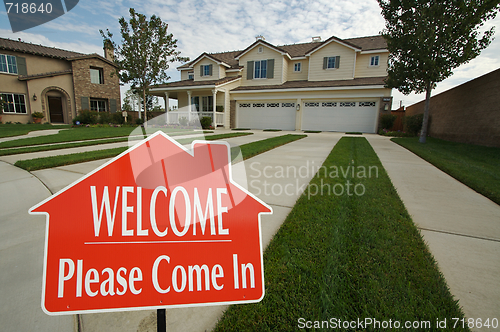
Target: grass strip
(354, 133)
(478, 167)
(59, 146)
(312, 131)
(9, 130)
(347, 256)
(252, 149)
(271, 130)
(75, 158)
(83, 134)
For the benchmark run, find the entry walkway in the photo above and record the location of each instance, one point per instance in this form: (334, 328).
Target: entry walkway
(460, 226)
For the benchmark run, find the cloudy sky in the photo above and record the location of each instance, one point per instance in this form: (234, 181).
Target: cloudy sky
(227, 25)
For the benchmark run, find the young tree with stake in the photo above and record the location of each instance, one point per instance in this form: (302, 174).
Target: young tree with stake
(428, 39)
(145, 52)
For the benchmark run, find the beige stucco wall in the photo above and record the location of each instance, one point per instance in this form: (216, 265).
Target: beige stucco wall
(345, 70)
(254, 55)
(232, 73)
(363, 68)
(215, 70)
(298, 76)
(43, 87)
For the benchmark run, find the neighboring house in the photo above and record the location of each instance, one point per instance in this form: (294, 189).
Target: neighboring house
(59, 83)
(331, 85)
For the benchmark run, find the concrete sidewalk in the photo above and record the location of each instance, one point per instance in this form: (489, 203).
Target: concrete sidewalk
(460, 226)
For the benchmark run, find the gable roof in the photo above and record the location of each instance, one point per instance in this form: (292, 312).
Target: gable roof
(296, 50)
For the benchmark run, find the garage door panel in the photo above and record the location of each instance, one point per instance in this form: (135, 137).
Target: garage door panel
(340, 116)
(266, 115)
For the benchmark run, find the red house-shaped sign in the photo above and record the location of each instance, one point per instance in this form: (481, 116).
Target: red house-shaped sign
(158, 226)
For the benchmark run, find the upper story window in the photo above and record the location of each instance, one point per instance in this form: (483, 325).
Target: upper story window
(8, 64)
(374, 61)
(297, 66)
(98, 105)
(331, 62)
(96, 76)
(206, 70)
(13, 103)
(190, 76)
(260, 49)
(260, 69)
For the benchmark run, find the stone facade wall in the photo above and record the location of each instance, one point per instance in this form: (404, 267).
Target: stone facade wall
(468, 113)
(84, 88)
(232, 114)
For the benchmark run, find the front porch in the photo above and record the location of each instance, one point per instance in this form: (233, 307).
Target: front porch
(184, 117)
(196, 100)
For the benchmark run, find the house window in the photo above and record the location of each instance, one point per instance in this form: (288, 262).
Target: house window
(374, 61)
(96, 76)
(260, 69)
(297, 66)
(98, 105)
(260, 49)
(190, 76)
(8, 64)
(331, 62)
(13, 103)
(206, 70)
(207, 103)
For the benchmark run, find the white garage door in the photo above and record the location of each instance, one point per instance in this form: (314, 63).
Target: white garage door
(344, 116)
(266, 115)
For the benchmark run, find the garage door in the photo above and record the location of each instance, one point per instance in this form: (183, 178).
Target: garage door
(344, 116)
(266, 115)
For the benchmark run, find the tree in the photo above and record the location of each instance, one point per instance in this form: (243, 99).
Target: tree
(145, 52)
(428, 39)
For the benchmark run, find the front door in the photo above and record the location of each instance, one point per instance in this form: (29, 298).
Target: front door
(55, 109)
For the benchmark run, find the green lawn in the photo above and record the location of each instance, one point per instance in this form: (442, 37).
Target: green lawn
(74, 158)
(476, 166)
(252, 149)
(86, 133)
(347, 257)
(8, 130)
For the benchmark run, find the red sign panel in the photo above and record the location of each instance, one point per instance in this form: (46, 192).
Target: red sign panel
(158, 226)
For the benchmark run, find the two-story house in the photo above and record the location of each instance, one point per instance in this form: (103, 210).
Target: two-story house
(59, 83)
(331, 85)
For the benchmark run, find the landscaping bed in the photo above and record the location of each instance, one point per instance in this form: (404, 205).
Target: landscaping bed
(478, 167)
(347, 256)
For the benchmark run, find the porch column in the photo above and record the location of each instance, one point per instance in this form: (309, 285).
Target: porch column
(189, 105)
(214, 92)
(166, 107)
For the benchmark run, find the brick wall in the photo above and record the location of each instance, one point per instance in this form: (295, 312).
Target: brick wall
(83, 88)
(468, 113)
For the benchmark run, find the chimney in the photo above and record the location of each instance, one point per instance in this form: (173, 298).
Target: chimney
(316, 39)
(109, 51)
(260, 37)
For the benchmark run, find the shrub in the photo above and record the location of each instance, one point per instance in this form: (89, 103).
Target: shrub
(139, 121)
(86, 117)
(183, 121)
(104, 117)
(387, 121)
(117, 118)
(206, 122)
(413, 124)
